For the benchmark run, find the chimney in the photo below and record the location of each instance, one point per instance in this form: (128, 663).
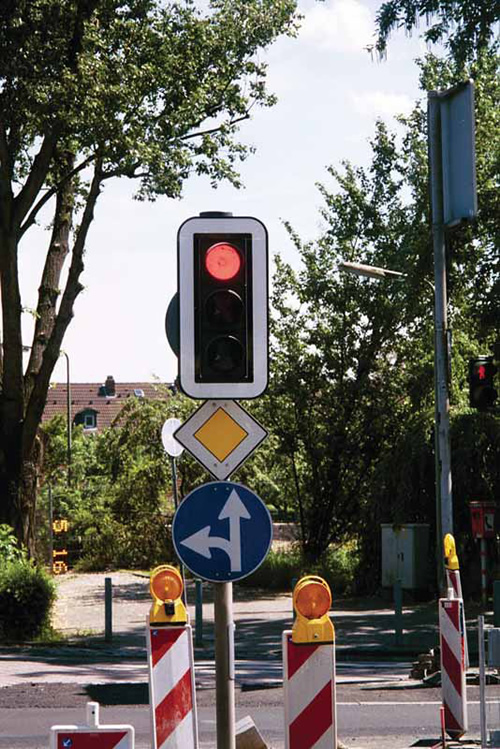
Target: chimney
(110, 386)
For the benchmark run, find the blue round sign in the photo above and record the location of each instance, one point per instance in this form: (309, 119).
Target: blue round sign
(222, 531)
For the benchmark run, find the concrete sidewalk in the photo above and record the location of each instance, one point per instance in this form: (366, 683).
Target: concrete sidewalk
(364, 626)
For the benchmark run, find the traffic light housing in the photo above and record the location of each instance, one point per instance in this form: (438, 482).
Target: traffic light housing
(166, 586)
(312, 599)
(223, 306)
(482, 392)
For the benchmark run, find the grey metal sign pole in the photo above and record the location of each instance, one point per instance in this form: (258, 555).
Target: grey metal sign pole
(224, 666)
(451, 133)
(444, 490)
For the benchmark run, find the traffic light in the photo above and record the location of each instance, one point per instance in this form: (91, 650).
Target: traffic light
(482, 392)
(223, 301)
(166, 588)
(312, 599)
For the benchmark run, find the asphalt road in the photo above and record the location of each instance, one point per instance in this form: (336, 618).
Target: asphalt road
(369, 717)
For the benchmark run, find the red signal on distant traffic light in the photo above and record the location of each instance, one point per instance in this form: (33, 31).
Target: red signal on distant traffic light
(482, 392)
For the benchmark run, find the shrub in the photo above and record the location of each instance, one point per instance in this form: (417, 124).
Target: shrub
(9, 547)
(282, 568)
(26, 597)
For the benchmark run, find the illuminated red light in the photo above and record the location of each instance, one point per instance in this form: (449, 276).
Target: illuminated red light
(481, 370)
(222, 261)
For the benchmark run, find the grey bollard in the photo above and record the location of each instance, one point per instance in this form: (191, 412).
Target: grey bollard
(398, 612)
(108, 609)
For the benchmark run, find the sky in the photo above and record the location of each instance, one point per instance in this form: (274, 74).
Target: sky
(330, 92)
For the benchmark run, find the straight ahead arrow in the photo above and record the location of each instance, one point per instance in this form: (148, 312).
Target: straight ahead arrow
(201, 542)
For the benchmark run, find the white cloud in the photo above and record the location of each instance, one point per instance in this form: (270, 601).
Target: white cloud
(381, 103)
(340, 25)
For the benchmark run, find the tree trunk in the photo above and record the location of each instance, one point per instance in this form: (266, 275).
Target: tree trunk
(18, 491)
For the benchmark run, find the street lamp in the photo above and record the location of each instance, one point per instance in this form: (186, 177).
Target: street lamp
(369, 271)
(442, 451)
(68, 415)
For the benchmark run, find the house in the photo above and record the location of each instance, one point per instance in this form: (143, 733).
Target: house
(95, 405)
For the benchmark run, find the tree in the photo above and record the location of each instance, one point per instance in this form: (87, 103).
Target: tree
(352, 388)
(91, 90)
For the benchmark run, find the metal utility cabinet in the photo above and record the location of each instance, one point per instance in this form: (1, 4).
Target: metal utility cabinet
(405, 555)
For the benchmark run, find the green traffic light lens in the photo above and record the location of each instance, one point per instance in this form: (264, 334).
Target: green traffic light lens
(225, 354)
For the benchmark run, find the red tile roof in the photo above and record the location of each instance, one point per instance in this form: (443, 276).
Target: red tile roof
(94, 396)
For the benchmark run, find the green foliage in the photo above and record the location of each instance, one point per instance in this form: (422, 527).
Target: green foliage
(282, 568)
(27, 594)
(466, 28)
(9, 546)
(120, 503)
(133, 82)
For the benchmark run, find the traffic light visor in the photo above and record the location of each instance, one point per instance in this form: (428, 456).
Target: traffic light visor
(312, 597)
(166, 583)
(223, 261)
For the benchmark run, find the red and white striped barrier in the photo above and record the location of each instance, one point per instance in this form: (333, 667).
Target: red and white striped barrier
(453, 581)
(172, 687)
(92, 735)
(453, 686)
(309, 695)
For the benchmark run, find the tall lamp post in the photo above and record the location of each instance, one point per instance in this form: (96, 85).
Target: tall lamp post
(442, 452)
(68, 416)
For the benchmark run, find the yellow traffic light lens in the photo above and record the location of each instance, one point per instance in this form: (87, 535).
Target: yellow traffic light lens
(312, 599)
(166, 583)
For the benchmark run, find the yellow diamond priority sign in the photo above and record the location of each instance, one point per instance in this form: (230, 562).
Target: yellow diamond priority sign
(221, 435)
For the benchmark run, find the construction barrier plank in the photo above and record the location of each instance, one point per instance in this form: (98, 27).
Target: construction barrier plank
(453, 682)
(172, 687)
(309, 695)
(92, 735)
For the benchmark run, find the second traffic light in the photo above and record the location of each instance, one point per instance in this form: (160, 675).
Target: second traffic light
(482, 392)
(223, 307)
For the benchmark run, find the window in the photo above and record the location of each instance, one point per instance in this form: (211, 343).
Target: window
(90, 420)
(139, 392)
(87, 418)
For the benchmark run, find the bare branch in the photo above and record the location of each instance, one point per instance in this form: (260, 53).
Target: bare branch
(5, 178)
(25, 199)
(198, 134)
(36, 402)
(53, 191)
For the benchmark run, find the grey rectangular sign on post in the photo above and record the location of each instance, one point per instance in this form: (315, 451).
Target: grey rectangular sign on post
(459, 154)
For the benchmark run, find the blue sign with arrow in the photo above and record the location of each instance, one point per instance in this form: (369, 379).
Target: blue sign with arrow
(222, 531)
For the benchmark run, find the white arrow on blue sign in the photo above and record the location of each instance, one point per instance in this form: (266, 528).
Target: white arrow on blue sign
(222, 531)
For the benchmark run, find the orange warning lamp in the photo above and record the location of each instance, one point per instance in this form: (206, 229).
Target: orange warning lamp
(312, 599)
(166, 587)
(450, 553)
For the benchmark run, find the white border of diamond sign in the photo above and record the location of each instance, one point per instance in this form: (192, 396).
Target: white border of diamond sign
(221, 469)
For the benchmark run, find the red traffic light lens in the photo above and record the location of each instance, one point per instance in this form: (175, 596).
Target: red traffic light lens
(222, 261)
